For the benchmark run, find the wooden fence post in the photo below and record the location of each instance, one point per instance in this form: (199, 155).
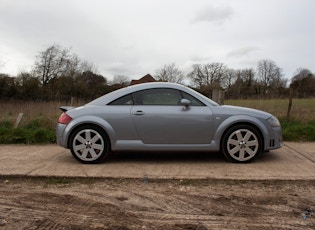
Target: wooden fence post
(18, 120)
(290, 102)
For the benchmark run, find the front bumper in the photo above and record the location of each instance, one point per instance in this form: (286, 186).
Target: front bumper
(274, 139)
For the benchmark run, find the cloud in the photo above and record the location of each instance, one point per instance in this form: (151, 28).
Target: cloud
(241, 52)
(136, 37)
(217, 15)
(116, 67)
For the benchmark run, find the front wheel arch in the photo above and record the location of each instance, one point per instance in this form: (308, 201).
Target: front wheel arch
(231, 139)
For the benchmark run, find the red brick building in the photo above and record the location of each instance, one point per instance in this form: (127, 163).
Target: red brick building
(146, 78)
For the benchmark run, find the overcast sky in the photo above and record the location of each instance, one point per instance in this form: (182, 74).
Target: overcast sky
(136, 37)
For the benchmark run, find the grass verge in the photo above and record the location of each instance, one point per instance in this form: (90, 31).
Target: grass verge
(294, 130)
(33, 132)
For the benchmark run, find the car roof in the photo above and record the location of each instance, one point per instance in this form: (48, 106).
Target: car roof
(107, 98)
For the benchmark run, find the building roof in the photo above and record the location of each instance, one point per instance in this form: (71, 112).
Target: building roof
(146, 78)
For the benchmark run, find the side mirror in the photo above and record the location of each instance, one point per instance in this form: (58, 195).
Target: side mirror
(186, 103)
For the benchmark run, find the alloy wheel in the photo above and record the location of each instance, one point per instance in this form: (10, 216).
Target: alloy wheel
(88, 145)
(242, 145)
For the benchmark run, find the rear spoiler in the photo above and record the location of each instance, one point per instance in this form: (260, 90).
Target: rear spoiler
(66, 108)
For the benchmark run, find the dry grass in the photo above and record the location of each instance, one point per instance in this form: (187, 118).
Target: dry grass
(302, 109)
(31, 110)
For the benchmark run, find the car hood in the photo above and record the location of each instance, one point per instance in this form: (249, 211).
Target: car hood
(237, 110)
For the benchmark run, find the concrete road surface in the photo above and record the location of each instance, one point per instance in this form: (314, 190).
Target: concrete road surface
(294, 161)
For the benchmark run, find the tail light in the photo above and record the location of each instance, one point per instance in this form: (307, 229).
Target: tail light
(64, 119)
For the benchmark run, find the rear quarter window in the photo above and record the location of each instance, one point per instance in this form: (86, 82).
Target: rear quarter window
(125, 100)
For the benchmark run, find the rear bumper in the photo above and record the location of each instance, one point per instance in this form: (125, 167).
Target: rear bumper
(60, 135)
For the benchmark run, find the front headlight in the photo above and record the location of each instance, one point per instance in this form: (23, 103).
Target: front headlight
(273, 121)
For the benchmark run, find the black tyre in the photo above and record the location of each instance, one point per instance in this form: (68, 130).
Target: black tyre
(241, 144)
(89, 144)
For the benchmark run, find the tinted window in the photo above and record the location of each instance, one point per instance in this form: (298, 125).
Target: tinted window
(157, 97)
(194, 101)
(125, 100)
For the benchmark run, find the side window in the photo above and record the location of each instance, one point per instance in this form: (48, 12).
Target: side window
(125, 100)
(157, 97)
(194, 101)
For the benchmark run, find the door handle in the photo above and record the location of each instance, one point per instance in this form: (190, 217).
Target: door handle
(138, 113)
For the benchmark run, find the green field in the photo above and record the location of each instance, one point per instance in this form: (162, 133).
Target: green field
(39, 119)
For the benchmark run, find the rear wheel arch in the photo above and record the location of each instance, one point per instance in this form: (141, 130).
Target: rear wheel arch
(78, 127)
(89, 143)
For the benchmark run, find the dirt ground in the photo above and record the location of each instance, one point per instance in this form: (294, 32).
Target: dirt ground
(85, 203)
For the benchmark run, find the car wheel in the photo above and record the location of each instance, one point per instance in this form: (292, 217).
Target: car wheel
(89, 144)
(241, 143)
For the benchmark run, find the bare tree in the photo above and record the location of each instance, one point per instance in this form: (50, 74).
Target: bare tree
(229, 78)
(244, 84)
(86, 66)
(208, 74)
(120, 80)
(248, 76)
(73, 67)
(197, 76)
(54, 62)
(303, 83)
(268, 74)
(169, 73)
(300, 74)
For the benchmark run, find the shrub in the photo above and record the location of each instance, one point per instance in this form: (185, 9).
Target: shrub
(31, 133)
(294, 130)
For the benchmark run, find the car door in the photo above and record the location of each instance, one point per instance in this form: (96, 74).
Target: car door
(159, 118)
(118, 116)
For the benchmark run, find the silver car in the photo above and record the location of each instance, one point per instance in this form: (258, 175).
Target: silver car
(165, 117)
